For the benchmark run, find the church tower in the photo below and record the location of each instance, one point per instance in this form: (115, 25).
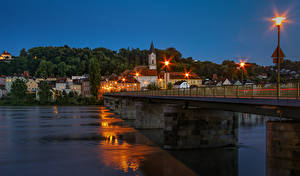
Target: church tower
(152, 58)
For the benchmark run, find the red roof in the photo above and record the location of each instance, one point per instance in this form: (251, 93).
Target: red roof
(180, 75)
(113, 77)
(5, 53)
(148, 72)
(144, 71)
(61, 80)
(128, 80)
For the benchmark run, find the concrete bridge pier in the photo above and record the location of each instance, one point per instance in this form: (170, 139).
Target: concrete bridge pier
(128, 109)
(113, 104)
(179, 126)
(283, 148)
(149, 115)
(198, 128)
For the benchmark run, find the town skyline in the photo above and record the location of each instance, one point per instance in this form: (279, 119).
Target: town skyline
(202, 31)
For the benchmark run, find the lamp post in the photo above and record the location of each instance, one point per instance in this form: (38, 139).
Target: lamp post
(166, 65)
(137, 74)
(187, 76)
(278, 54)
(242, 66)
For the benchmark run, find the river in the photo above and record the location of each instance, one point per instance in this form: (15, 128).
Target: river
(93, 141)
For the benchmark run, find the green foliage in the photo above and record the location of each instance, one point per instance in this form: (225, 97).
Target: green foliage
(18, 90)
(62, 98)
(66, 61)
(44, 92)
(95, 76)
(169, 85)
(153, 86)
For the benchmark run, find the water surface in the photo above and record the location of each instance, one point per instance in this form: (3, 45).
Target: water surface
(93, 141)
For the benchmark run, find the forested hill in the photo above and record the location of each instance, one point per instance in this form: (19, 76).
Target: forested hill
(66, 61)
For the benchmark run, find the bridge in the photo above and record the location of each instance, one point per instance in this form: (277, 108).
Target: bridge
(260, 99)
(208, 116)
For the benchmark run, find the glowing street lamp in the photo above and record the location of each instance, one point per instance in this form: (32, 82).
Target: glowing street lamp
(166, 64)
(242, 66)
(278, 55)
(278, 20)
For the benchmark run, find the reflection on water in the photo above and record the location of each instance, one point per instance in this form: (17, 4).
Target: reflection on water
(77, 141)
(119, 154)
(93, 141)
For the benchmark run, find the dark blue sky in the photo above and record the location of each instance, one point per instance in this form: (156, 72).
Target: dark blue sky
(204, 29)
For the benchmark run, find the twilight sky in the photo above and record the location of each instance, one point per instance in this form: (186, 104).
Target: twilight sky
(204, 29)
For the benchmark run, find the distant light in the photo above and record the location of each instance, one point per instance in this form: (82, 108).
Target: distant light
(166, 63)
(242, 64)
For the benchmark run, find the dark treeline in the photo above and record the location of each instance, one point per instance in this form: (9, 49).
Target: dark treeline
(66, 61)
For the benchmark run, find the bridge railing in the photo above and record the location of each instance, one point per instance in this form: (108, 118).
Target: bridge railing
(288, 91)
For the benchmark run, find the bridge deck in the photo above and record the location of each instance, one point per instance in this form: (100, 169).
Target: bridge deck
(270, 101)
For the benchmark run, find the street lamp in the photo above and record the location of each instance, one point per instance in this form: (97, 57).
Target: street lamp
(278, 55)
(166, 63)
(242, 66)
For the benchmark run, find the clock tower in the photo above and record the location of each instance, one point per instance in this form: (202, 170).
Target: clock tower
(152, 58)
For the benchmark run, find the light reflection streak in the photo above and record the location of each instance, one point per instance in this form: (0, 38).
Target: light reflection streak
(119, 153)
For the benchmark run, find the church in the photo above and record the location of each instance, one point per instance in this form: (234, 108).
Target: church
(147, 74)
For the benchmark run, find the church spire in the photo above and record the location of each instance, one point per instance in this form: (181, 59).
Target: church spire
(152, 58)
(152, 49)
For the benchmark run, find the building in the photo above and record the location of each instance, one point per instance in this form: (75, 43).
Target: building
(181, 85)
(5, 56)
(2, 91)
(128, 84)
(237, 83)
(2, 80)
(79, 77)
(10, 80)
(191, 78)
(61, 84)
(32, 85)
(76, 86)
(147, 74)
(152, 58)
(123, 84)
(85, 88)
(226, 83)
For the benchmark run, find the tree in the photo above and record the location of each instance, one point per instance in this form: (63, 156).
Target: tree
(18, 90)
(44, 92)
(62, 69)
(42, 69)
(94, 71)
(23, 53)
(152, 86)
(169, 85)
